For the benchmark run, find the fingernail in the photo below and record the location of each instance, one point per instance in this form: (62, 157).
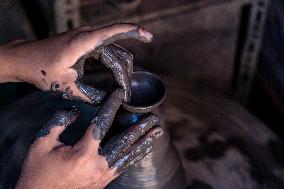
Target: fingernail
(96, 95)
(146, 34)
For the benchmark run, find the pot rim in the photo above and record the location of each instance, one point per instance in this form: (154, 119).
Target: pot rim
(151, 107)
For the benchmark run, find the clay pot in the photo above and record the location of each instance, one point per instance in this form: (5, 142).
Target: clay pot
(161, 169)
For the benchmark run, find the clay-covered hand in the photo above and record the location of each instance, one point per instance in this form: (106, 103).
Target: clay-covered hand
(56, 64)
(52, 164)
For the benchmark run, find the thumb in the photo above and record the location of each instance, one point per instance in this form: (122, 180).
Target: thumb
(56, 125)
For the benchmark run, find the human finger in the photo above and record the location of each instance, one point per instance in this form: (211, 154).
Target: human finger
(138, 150)
(125, 56)
(106, 114)
(56, 125)
(94, 94)
(115, 148)
(118, 68)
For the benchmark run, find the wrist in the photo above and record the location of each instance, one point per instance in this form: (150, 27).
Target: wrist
(11, 67)
(15, 63)
(7, 71)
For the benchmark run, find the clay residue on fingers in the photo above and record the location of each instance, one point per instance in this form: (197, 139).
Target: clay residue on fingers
(119, 60)
(105, 116)
(138, 151)
(125, 56)
(115, 148)
(79, 66)
(60, 118)
(118, 68)
(96, 95)
(43, 72)
(139, 34)
(54, 86)
(67, 93)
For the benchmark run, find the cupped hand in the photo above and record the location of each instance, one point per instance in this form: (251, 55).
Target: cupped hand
(56, 64)
(52, 164)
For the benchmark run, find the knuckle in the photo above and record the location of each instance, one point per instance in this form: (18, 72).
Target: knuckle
(83, 156)
(104, 164)
(79, 157)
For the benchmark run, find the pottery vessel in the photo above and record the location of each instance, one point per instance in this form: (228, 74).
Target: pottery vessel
(160, 169)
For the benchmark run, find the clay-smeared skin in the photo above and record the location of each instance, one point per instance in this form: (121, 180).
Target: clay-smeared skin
(138, 151)
(134, 34)
(60, 118)
(43, 72)
(117, 59)
(68, 93)
(120, 144)
(125, 56)
(120, 62)
(104, 118)
(130, 146)
(96, 95)
(123, 150)
(119, 70)
(54, 87)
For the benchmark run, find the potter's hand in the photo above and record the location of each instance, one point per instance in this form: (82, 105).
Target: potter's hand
(56, 64)
(51, 164)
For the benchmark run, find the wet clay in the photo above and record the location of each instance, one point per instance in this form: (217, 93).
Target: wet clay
(120, 144)
(129, 147)
(117, 59)
(105, 116)
(60, 118)
(137, 34)
(139, 150)
(125, 56)
(67, 93)
(120, 62)
(157, 166)
(43, 72)
(114, 63)
(96, 95)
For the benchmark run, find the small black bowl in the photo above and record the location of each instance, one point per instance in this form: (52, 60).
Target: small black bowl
(147, 92)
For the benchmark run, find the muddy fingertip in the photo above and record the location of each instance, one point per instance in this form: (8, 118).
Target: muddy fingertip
(145, 34)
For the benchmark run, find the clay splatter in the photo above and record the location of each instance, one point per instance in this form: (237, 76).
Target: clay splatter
(44, 73)
(60, 118)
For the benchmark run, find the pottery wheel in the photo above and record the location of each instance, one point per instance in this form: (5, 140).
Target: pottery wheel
(220, 144)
